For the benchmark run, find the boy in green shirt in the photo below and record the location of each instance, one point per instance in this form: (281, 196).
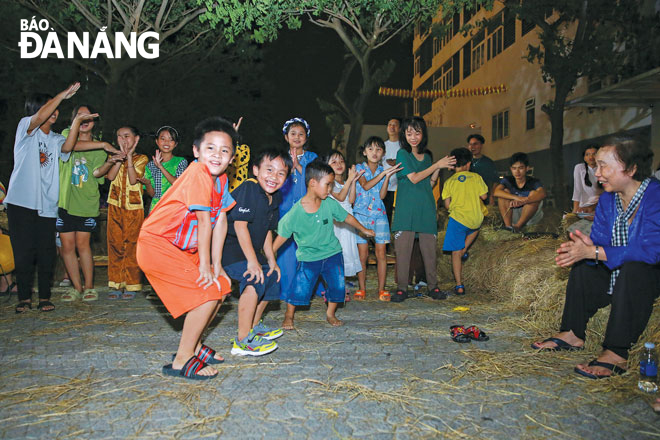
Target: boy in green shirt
(319, 254)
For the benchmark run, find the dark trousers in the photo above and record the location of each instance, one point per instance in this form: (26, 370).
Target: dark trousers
(636, 288)
(33, 241)
(417, 272)
(388, 201)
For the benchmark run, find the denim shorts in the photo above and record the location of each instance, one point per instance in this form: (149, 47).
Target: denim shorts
(308, 274)
(269, 290)
(455, 235)
(378, 224)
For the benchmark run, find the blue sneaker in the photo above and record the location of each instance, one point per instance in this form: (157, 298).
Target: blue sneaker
(252, 345)
(266, 332)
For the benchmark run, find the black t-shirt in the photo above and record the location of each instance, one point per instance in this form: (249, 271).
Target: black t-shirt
(531, 184)
(251, 206)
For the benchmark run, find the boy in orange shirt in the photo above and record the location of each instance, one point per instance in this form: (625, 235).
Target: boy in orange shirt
(180, 247)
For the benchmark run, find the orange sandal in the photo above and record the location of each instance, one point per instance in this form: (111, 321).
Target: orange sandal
(359, 295)
(384, 295)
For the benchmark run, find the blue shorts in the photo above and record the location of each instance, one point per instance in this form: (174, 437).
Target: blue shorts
(308, 274)
(456, 235)
(269, 290)
(378, 224)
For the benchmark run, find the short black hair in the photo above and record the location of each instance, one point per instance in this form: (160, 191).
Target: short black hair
(462, 155)
(371, 141)
(519, 157)
(476, 136)
(271, 154)
(133, 129)
(317, 170)
(214, 123)
(35, 101)
(631, 152)
(394, 118)
(417, 124)
(326, 158)
(171, 130)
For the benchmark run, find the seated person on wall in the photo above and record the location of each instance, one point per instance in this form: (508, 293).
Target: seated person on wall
(618, 264)
(519, 197)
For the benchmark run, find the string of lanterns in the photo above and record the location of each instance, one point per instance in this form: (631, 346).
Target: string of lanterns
(435, 94)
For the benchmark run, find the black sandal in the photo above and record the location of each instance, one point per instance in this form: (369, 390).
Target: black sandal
(46, 303)
(23, 307)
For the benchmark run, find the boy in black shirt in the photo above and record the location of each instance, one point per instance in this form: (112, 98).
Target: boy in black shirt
(248, 251)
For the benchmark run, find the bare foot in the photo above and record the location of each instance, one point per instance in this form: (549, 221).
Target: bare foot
(287, 324)
(568, 337)
(333, 321)
(606, 356)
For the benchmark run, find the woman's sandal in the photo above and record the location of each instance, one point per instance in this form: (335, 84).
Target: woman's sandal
(457, 288)
(189, 370)
(359, 295)
(561, 345)
(458, 334)
(70, 295)
(476, 334)
(45, 306)
(615, 371)
(23, 306)
(384, 295)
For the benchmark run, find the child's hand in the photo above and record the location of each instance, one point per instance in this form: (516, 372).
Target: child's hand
(117, 157)
(219, 271)
(71, 90)
(273, 267)
(351, 173)
(144, 181)
(158, 159)
(446, 162)
(238, 124)
(294, 158)
(369, 233)
(84, 117)
(396, 168)
(108, 148)
(206, 277)
(254, 271)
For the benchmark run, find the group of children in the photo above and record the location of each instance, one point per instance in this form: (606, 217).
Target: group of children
(198, 236)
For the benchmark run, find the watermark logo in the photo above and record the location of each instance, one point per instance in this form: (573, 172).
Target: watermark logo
(34, 45)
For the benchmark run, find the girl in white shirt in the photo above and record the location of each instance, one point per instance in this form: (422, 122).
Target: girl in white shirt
(586, 188)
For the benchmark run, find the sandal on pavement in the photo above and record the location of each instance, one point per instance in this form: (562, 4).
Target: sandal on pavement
(114, 294)
(476, 334)
(207, 354)
(437, 294)
(46, 306)
(399, 296)
(70, 295)
(614, 370)
(128, 295)
(561, 345)
(359, 295)
(189, 370)
(90, 295)
(384, 295)
(23, 306)
(459, 287)
(458, 334)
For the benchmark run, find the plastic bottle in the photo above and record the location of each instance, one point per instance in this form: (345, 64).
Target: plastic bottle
(648, 369)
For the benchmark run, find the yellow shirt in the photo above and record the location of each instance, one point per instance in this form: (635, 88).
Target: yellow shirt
(121, 193)
(466, 206)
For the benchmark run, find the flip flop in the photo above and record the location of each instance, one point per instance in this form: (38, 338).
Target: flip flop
(189, 370)
(561, 345)
(43, 304)
(23, 306)
(476, 334)
(615, 371)
(457, 333)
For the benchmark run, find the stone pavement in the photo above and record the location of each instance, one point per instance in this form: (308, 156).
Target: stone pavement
(93, 371)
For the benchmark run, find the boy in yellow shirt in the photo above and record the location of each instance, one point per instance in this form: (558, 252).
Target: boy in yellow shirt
(463, 194)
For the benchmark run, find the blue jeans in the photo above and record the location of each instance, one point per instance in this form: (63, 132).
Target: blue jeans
(331, 269)
(269, 290)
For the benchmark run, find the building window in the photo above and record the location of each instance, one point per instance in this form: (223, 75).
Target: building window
(436, 46)
(530, 113)
(466, 60)
(478, 56)
(495, 43)
(501, 125)
(417, 65)
(509, 33)
(449, 32)
(425, 53)
(527, 26)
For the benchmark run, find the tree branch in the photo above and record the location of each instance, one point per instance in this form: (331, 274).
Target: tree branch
(87, 14)
(182, 23)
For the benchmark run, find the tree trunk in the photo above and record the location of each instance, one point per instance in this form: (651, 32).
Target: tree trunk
(559, 187)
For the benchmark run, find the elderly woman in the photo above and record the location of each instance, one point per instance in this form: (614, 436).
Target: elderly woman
(618, 264)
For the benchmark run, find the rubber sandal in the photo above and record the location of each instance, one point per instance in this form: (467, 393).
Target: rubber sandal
(114, 295)
(43, 304)
(128, 295)
(189, 370)
(399, 296)
(90, 295)
(152, 296)
(70, 295)
(476, 334)
(23, 306)
(8, 291)
(457, 333)
(615, 371)
(438, 294)
(205, 354)
(384, 295)
(460, 286)
(561, 345)
(359, 295)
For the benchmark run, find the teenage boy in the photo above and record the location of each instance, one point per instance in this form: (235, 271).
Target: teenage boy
(520, 198)
(482, 164)
(319, 254)
(248, 253)
(392, 147)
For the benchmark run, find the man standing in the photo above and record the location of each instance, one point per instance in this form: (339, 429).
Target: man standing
(482, 164)
(392, 146)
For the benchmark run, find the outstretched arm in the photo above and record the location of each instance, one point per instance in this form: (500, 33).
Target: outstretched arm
(49, 107)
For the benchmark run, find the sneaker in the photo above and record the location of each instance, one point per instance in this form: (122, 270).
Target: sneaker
(267, 333)
(399, 296)
(252, 345)
(65, 283)
(438, 294)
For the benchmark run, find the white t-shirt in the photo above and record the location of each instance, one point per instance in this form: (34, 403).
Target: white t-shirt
(35, 180)
(585, 195)
(391, 148)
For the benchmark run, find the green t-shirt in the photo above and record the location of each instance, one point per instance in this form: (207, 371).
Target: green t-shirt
(175, 166)
(79, 189)
(415, 205)
(314, 233)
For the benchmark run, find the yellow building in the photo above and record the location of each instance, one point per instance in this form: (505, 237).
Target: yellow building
(511, 121)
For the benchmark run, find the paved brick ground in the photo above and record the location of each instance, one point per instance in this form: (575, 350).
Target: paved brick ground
(93, 371)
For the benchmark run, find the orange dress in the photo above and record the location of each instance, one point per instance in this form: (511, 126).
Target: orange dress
(167, 245)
